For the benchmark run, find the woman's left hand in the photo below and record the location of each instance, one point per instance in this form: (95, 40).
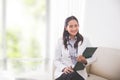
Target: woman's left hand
(82, 59)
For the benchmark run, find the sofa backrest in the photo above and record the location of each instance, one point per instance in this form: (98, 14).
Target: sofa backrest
(107, 64)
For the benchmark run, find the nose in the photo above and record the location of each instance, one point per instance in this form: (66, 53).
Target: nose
(74, 28)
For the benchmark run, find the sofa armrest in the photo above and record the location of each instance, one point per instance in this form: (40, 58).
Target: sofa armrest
(107, 64)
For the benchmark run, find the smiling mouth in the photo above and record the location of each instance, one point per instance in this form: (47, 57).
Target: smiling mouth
(74, 31)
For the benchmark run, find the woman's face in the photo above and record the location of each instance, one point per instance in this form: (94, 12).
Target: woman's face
(72, 28)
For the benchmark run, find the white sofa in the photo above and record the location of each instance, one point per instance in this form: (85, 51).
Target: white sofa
(107, 65)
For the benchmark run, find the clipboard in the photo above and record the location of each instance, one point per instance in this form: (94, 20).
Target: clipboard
(88, 52)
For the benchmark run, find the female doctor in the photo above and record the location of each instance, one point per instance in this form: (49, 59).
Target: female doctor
(69, 51)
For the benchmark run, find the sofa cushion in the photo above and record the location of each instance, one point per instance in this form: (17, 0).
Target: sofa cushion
(107, 64)
(94, 77)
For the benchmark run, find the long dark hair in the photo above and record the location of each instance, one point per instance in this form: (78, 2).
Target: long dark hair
(66, 34)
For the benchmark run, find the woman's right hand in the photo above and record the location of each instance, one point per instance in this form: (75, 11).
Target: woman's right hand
(82, 59)
(67, 70)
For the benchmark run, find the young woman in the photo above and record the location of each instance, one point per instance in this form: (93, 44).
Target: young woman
(69, 51)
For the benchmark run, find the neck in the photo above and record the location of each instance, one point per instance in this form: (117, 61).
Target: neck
(72, 37)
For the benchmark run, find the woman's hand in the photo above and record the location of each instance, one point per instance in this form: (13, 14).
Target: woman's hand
(81, 59)
(67, 70)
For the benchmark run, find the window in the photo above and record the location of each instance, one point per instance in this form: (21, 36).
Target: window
(24, 34)
(1, 34)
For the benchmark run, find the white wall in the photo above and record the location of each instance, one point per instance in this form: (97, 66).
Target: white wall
(102, 22)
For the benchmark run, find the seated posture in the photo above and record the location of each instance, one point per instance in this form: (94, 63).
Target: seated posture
(69, 51)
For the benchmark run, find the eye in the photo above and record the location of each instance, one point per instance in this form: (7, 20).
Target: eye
(70, 26)
(76, 25)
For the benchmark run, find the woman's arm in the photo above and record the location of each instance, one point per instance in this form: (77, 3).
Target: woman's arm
(58, 55)
(86, 43)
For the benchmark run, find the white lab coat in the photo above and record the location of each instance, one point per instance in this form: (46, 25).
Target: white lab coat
(62, 59)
